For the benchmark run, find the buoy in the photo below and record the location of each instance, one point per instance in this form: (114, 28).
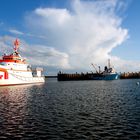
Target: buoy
(137, 83)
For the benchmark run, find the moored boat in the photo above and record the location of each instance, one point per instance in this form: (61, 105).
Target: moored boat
(15, 70)
(109, 73)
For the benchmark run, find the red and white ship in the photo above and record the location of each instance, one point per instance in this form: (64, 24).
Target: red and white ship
(15, 70)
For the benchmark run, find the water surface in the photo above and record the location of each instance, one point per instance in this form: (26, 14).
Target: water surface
(80, 110)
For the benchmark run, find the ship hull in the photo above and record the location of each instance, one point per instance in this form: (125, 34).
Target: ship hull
(87, 76)
(25, 80)
(114, 76)
(13, 79)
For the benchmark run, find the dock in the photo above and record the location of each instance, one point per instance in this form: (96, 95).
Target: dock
(130, 75)
(88, 76)
(74, 76)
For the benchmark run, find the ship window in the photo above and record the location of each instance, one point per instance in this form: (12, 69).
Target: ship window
(3, 64)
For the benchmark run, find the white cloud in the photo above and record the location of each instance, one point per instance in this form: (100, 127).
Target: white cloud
(35, 36)
(36, 54)
(45, 56)
(14, 31)
(88, 33)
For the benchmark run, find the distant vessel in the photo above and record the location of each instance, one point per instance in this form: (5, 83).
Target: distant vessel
(15, 70)
(108, 73)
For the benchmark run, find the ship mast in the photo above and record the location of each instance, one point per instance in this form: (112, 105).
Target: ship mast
(16, 45)
(108, 63)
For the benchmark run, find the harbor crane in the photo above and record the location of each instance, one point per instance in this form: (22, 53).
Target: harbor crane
(95, 68)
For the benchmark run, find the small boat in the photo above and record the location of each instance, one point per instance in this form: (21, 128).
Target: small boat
(15, 70)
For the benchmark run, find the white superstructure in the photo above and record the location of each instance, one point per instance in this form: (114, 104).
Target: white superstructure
(15, 70)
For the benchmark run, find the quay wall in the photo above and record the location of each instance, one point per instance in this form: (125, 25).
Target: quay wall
(130, 75)
(87, 76)
(76, 76)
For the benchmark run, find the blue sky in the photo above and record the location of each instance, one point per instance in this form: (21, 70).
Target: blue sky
(69, 35)
(130, 49)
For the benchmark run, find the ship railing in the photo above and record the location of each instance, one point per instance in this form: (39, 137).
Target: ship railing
(26, 78)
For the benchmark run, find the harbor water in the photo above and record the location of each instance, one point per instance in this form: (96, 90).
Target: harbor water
(79, 110)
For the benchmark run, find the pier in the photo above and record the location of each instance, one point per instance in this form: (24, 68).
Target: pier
(74, 76)
(88, 76)
(130, 75)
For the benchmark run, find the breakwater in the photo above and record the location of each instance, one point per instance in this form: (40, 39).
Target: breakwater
(89, 76)
(130, 75)
(75, 76)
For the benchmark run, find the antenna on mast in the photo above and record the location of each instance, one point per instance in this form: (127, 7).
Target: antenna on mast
(16, 45)
(108, 63)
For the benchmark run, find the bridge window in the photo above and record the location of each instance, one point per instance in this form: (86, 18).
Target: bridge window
(3, 64)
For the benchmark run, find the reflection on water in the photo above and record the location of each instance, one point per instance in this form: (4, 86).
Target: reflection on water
(71, 110)
(14, 110)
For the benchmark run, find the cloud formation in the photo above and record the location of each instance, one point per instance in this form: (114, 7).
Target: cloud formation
(14, 31)
(86, 33)
(17, 32)
(36, 54)
(75, 38)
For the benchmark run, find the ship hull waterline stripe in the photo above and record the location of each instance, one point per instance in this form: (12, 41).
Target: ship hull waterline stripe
(36, 83)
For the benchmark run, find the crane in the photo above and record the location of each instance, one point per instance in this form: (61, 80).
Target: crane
(94, 67)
